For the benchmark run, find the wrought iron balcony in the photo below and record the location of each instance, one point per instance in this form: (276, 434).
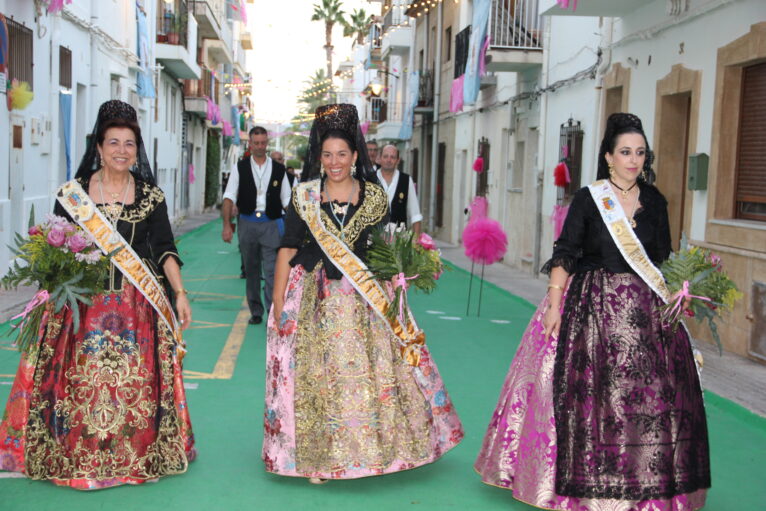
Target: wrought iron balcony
(515, 35)
(177, 40)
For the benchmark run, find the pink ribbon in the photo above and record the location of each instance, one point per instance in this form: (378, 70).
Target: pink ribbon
(564, 4)
(401, 281)
(40, 298)
(678, 299)
(558, 217)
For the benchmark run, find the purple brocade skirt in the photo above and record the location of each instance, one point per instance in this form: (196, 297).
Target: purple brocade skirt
(611, 418)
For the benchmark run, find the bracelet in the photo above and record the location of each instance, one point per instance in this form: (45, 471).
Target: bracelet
(181, 291)
(554, 286)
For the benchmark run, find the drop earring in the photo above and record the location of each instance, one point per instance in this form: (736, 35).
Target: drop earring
(321, 170)
(353, 170)
(611, 168)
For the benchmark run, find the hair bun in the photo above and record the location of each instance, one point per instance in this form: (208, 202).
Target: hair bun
(622, 120)
(341, 116)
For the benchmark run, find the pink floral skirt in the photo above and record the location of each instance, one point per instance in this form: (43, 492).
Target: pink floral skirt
(340, 401)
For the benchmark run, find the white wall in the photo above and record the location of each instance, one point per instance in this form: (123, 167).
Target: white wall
(691, 39)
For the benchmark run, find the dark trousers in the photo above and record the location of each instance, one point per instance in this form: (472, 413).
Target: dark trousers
(258, 242)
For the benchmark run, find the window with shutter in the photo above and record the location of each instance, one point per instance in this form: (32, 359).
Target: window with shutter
(482, 179)
(20, 53)
(570, 152)
(751, 160)
(65, 67)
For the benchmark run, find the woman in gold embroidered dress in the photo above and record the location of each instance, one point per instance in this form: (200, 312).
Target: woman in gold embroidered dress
(105, 406)
(341, 403)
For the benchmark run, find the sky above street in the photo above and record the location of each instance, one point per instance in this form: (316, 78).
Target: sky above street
(287, 49)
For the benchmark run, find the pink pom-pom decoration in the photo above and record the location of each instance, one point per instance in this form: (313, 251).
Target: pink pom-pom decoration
(478, 164)
(484, 240)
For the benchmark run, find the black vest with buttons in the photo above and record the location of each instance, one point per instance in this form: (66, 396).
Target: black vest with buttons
(399, 202)
(248, 192)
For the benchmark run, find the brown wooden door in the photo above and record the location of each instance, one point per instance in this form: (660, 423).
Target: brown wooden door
(672, 162)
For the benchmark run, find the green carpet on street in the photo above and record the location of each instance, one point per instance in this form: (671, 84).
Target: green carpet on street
(473, 354)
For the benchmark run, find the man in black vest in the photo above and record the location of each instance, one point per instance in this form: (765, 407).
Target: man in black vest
(261, 191)
(400, 189)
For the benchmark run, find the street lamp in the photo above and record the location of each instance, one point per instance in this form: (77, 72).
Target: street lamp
(375, 86)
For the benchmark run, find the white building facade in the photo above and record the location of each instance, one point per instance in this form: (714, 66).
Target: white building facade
(144, 52)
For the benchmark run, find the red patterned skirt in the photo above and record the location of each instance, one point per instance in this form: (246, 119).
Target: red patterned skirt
(101, 407)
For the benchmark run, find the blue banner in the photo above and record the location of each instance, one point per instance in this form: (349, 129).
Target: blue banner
(65, 105)
(235, 124)
(144, 81)
(472, 81)
(413, 96)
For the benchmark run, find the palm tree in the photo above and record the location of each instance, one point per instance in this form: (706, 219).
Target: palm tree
(331, 13)
(358, 25)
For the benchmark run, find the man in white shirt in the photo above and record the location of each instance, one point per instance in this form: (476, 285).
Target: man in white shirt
(402, 197)
(260, 189)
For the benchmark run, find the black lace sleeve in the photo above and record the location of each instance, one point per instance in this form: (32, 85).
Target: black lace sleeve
(161, 241)
(295, 228)
(568, 248)
(662, 247)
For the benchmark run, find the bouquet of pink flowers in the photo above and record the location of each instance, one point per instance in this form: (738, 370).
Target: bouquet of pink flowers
(696, 275)
(64, 262)
(396, 259)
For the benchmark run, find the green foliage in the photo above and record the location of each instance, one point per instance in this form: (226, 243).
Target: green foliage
(395, 252)
(212, 169)
(69, 277)
(706, 278)
(329, 11)
(357, 25)
(296, 164)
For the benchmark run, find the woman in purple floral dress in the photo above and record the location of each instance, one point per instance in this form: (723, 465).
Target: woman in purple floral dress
(602, 406)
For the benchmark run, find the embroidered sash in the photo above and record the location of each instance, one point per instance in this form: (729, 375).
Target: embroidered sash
(410, 338)
(631, 248)
(625, 238)
(81, 208)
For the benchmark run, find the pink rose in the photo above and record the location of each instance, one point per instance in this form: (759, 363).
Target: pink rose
(426, 242)
(35, 230)
(56, 237)
(76, 243)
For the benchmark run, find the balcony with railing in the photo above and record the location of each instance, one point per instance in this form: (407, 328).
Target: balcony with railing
(391, 124)
(375, 41)
(515, 36)
(600, 8)
(397, 32)
(196, 93)
(177, 39)
(377, 110)
(209, 15)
